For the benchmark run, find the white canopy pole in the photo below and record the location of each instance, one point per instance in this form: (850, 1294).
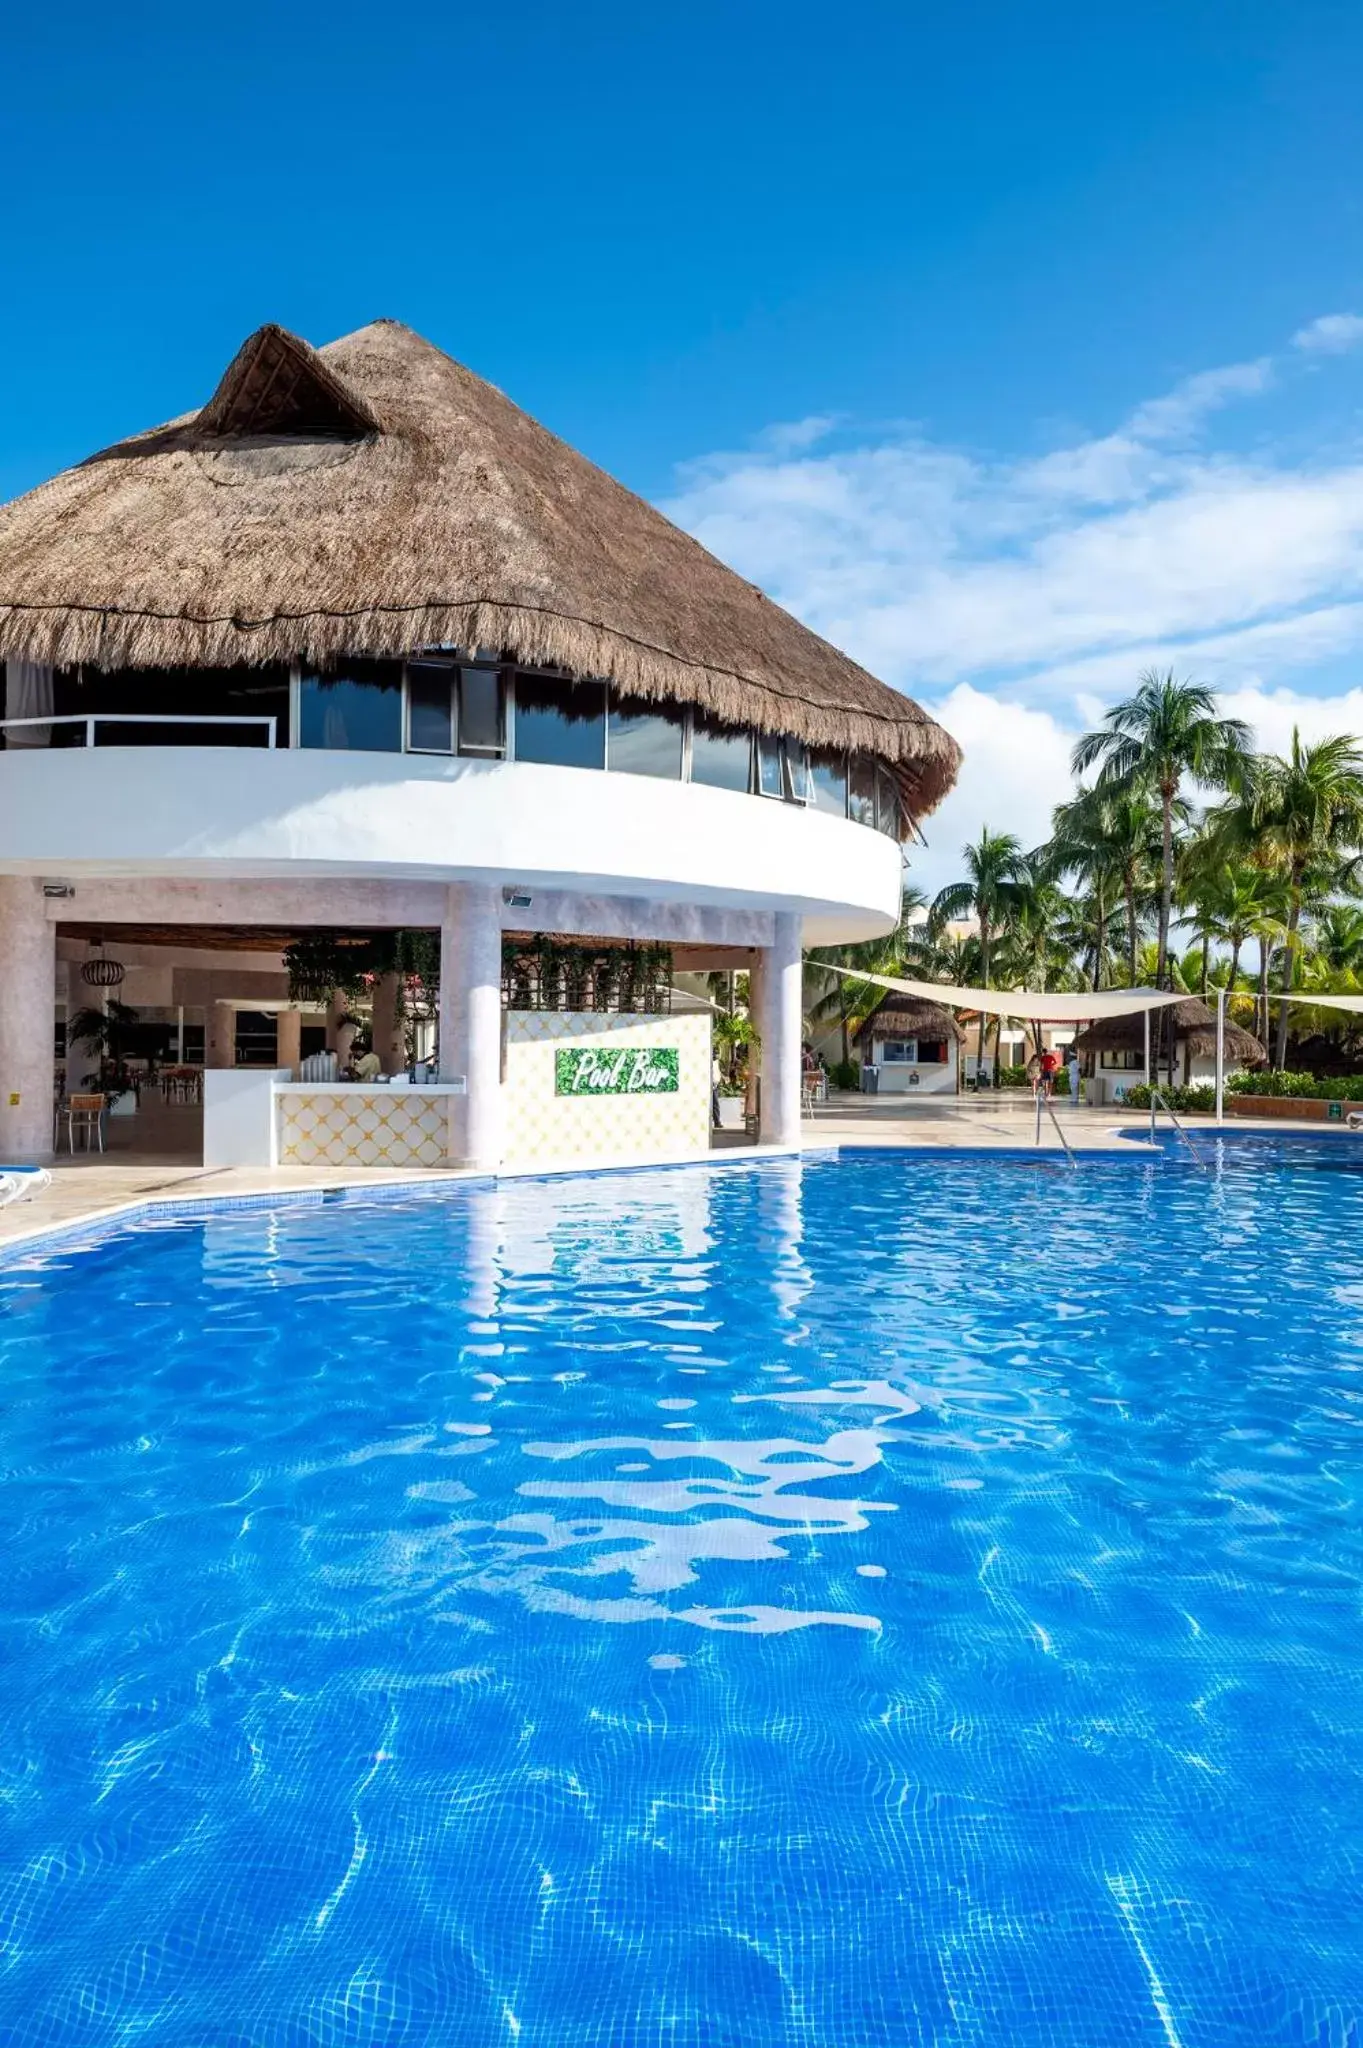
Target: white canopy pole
(1149, 1077)
(1220, 1055)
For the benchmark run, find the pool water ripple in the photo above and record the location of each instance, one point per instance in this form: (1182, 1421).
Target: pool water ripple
(899, 1599)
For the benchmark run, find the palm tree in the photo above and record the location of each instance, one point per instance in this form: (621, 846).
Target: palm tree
(1339, 940)
(1301, 816)
(991, 866)
(1167, 732)
(1111, 837)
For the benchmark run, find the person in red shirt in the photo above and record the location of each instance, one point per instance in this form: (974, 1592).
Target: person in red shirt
(1050, 1067)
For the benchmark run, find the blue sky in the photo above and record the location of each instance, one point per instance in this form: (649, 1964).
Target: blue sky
(967, 331)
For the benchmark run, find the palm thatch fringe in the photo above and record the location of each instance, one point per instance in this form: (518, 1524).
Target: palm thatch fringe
(910, 1017)
(374, 498)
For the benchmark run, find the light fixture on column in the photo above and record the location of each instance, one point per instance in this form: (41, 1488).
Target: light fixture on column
(99, 971)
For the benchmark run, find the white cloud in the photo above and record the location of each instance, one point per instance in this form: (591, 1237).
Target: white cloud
(1016, 770)
(1018, 596)
(1332, 335)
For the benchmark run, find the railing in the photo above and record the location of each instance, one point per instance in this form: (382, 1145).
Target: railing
(1157, 1102)
(91, 723)
(1043, 1101)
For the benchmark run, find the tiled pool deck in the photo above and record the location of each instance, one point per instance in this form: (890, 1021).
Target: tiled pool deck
(93, 1190)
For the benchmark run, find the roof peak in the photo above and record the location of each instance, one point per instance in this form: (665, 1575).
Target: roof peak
(276, 383)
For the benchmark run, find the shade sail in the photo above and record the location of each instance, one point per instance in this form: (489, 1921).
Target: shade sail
(1301, 995)
(1042, 1007)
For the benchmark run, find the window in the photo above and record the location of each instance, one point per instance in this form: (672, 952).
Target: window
(771, 768)
(560, 724)
(898, 1052)
(829, 775)
(1121, 1062)
(861, 794)
(482, 719)
(799, 789)
(430, 708)
(721, 755)
(887, 804)
(357, 709)
(644, 740)
(932, 1052)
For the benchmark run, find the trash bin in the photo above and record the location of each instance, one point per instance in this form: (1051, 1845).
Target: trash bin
(870, 1079)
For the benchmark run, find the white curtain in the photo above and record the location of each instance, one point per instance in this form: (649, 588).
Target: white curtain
(28, 694)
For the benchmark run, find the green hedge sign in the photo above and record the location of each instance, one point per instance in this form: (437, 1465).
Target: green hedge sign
(615, 1070)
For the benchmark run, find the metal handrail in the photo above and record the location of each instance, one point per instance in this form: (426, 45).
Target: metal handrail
(1043, 1101)
(1157, 1101)
(91, 720)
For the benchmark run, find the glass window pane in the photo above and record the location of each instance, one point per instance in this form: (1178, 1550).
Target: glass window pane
(358, 711)
(887, 804)
(481, 730)
(560, 724)
(721, 755)
(861, 797)
(830, 783)
(771, 773)
(797, 772)
(430, 726)
(644, 739)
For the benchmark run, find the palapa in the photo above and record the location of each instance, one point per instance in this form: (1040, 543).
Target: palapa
(1194, 1029)
(373, 497)
(910, 1017)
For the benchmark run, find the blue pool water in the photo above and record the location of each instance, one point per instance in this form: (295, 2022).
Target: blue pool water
(898, 1600)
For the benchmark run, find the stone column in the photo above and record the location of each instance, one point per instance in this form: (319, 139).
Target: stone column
(779, 1022)
(390, 1040)
(339, 1034)
(28, 1015)
(220, 1034)
(471, 1020)
(751, 1102)
(288, 1051)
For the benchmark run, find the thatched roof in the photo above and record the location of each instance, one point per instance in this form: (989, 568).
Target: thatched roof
(910, 1017)
(373, 497)
(1194, 1026)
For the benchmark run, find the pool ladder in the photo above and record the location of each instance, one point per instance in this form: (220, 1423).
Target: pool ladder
(1157, 1102)
(1044, 1102)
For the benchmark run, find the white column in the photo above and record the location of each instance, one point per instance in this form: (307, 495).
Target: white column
(779, 1024)
(471, 1020)
(28, 980)
(288, 1050)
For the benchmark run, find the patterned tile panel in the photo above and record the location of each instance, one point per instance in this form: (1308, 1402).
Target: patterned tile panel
(392, 1127)
(543, 1127)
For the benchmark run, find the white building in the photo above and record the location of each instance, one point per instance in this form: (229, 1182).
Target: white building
(360, 649)
(910, 1047)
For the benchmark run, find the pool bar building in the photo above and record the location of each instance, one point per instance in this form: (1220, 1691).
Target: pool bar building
(359, 649)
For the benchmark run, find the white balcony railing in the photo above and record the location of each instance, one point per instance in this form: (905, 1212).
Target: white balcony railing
(106, 718)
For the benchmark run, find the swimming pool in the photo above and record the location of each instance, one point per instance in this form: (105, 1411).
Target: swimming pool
(897, 1599)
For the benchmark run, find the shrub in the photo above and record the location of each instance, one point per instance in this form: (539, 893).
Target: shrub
(1344, 1088)
(1012, 1077)
(845, 1074)
(1199, 1100)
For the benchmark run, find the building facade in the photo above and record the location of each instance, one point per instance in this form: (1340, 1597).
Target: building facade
(360, 648)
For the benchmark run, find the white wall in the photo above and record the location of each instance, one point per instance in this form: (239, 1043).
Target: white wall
(242, 812)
